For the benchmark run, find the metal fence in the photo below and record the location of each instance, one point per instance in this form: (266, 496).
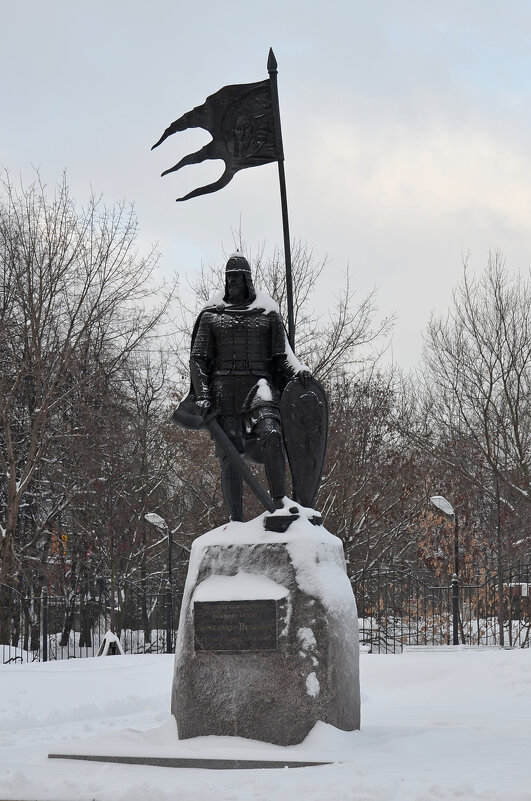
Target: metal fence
(398, 609)
(395, 609)
(44, 627)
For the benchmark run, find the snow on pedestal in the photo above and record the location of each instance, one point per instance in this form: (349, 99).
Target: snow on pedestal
(268, 635)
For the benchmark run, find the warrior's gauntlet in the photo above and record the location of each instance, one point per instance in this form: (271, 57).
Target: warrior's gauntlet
(200, 380)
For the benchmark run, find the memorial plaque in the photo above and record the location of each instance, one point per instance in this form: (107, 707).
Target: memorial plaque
(235, 625)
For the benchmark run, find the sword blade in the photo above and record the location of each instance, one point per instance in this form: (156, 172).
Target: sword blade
(235, 458)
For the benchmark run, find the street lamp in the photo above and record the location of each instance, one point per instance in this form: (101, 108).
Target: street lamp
(445, 506)
(160, 523)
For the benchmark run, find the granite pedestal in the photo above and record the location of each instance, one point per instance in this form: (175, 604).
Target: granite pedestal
(268, 637)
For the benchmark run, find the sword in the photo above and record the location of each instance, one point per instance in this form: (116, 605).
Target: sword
(235, 459)
(186, 416)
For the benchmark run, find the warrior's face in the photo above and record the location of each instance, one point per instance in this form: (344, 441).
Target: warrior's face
(236, 287)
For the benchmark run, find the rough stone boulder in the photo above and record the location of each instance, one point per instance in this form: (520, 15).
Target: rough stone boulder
(268, 635)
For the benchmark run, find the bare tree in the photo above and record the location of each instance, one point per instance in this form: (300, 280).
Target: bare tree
(477, 369)
(478, 364)
(74, 296)
(374, 482)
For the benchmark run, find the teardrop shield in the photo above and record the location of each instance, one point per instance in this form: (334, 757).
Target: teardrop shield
(304, 413)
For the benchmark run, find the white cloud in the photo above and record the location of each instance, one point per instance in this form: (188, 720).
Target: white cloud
(401, 176)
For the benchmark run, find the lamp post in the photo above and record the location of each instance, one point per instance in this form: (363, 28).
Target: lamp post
(160, 523)
(445, 506)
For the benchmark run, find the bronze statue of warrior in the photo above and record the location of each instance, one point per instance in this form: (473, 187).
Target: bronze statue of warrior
(240, 364)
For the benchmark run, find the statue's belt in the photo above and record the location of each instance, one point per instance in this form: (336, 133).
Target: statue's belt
(241, 367)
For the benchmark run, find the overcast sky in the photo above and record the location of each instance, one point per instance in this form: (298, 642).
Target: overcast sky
(406, 125)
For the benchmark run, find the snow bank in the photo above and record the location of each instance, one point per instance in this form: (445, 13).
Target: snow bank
(438, 725)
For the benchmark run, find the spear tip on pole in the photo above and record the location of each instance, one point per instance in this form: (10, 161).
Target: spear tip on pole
(271, 61)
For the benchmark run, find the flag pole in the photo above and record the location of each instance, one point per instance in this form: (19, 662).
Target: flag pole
(272, 69)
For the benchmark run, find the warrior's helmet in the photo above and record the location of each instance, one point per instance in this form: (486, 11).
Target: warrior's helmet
(237, 263)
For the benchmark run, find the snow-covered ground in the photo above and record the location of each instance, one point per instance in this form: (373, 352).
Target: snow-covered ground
(437, 724)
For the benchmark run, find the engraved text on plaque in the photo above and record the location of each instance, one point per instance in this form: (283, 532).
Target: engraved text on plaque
(235, 625)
